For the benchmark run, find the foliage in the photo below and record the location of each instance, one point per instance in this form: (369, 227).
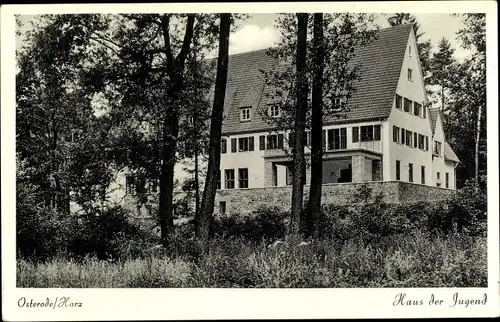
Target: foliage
(464, 122)
(411, 260)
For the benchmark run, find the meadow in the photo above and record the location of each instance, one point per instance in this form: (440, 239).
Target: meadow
(369, 244)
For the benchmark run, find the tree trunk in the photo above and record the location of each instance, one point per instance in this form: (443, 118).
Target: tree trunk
(314, 205)
(166, 186)
(299, 128)
(170, 130)
(476, 150)
(207, 204)
(196, 183)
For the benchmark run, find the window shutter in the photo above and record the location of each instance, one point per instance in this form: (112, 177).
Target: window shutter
(424, 112)
(233, 145)
(280, 141)
(415, 139)
(262, 142)
(426, 143)
(291, 139)
(395, 131)
(343, 138)
(376, 132)
(250, 143)
(355, 134)
(223, 145)
(403, 140)
(323, 139)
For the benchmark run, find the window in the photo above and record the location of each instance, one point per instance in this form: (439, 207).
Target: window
(422, 175)
(421, 142)
(370, 133)
(409, 137)
(407, 107)
(245, 144)
(337, 139)
(398, 170)
(233, 145)
(410, 74)
(243, 178)
(399, 102)
(438, 179)
(424, 110)
(272, 142)
(437, 148)
(410, 172)
(229, 178)
(426, 143)
(223, 146)
(152, 185)
(417, 108)
(218, 180)
(129, 185)
(135, 184)
(262, 142)
(415, 139)
(274, 111)
(409, 50)
(403, 136)
(245, 114)
(222, 207)
(395, 134)
(355, 134)
(275, 141)
(447, 180)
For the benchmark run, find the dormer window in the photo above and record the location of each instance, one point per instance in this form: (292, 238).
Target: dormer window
(274, 111)
(410, 78)
(245, 114)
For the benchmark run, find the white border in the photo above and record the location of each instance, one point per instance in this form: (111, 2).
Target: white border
(148, 304)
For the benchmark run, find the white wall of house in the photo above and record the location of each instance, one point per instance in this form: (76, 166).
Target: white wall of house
(414, 90)
(439, 163)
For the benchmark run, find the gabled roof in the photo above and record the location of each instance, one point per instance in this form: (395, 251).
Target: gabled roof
(379, 61)
(449, 154)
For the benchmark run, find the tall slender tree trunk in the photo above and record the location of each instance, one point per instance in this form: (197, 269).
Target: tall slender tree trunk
(476, 150)
(314, 205)
(196, 183)
(170, 130)
(207, 204)
(166, 186)
(299, 128)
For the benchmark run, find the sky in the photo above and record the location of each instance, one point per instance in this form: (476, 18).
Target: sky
(258, 32)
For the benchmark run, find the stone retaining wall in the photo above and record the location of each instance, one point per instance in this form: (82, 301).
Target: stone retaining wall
(246, 200)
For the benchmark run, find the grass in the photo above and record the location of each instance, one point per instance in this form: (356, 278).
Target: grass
(418, 260)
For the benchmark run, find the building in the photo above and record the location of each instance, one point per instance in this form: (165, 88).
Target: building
(387, 135)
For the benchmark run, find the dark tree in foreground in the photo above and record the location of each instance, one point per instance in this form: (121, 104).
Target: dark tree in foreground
(333, 82)
(299, 127)
(207, 207)
(314, 204)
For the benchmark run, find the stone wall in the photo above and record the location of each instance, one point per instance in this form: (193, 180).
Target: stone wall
(246, 200)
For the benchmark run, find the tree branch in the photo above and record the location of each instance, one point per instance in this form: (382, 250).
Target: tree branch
(165, 20)
(188, 36)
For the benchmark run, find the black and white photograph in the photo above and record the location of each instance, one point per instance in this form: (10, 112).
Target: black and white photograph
(209, 150)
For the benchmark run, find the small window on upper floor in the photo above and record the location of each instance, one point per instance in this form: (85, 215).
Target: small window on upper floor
(245, 114)
(410, 71)
(409, 50)
(274, 111)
